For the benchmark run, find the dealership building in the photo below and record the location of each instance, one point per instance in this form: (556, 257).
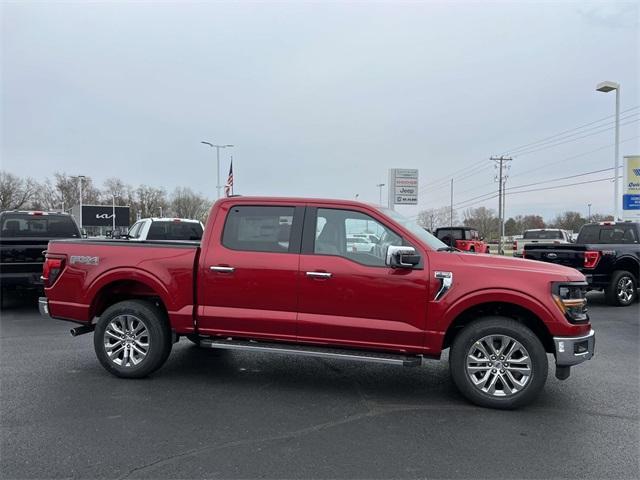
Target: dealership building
(97, 220)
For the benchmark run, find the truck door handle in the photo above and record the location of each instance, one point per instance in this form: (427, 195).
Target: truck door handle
(221, 269)
(319, 274)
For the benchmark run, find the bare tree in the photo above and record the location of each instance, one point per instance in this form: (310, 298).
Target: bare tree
(187, 204)
(433, 218)
(569, 221)
(482, 219)
(15, 192)
(149, 201)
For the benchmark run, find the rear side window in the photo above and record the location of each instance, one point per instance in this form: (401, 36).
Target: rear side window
(608, 234)
(543, 235)
(48, 226)
(259, 229)
(175, 230)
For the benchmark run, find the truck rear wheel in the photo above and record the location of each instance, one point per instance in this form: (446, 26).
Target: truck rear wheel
(497, 362)
(622, 290)
(132, 339)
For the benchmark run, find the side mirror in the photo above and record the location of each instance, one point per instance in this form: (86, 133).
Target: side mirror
(402, 257)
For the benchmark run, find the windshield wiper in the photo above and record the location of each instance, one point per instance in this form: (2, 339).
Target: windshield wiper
(447, 249)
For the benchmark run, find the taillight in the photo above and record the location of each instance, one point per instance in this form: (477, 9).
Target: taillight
(51, 270)
(515, 244)
(591, 259)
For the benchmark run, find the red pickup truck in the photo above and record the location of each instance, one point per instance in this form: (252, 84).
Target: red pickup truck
(275, 275)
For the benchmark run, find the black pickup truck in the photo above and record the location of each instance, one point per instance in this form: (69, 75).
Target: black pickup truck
(607, 253)
(24, 235)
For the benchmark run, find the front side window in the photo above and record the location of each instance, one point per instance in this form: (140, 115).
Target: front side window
(259, 229)
(345, 233)
(134, 232)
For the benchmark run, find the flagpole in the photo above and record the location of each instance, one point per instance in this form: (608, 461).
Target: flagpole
(234, 180)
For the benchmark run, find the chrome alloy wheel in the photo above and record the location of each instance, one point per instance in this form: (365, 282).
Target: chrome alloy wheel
(624, 289)
(498, 365)
(126, 340)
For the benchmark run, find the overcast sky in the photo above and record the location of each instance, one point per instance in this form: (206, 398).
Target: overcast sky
(319, 99)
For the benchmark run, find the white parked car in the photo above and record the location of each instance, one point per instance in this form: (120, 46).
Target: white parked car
(166, 229)
(369, 236)
(541, 236)
(359, 244)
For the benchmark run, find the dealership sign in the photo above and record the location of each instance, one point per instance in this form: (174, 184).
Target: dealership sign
(102, 216)
(631, 190)
(403, 186)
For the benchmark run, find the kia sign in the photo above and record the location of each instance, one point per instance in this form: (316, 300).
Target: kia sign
(631, 188)
(403, 186)
(102, 215)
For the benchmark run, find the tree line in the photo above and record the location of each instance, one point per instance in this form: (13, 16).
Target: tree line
(486, 221)
(63, 192)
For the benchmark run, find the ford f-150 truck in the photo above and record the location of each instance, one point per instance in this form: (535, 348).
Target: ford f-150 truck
(608, 253)
(276, 275)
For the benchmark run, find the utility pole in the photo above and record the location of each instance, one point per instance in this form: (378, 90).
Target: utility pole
(502, 166)
(589, 216)
(451, 211)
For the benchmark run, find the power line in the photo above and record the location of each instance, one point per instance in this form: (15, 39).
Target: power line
(567, 131)
(527, 152)
(572, 157)
(562, 178)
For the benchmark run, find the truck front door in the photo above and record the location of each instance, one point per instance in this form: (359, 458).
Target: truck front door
(349, 296)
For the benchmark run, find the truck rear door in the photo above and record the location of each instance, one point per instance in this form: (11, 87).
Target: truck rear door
(248, 272)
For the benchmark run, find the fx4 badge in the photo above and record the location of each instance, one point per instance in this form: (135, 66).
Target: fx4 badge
(84, 260)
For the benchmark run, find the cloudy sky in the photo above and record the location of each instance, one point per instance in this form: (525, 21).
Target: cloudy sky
(321, 99)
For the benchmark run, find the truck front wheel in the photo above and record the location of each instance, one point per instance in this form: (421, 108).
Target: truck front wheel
(132, 339)
(497, 362)
(622, 290)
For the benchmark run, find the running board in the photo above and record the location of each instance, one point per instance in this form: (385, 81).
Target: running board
(313, 351)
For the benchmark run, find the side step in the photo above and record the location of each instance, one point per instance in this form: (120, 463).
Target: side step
(313, 351)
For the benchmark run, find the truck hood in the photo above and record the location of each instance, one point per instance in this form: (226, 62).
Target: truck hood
(519, 264)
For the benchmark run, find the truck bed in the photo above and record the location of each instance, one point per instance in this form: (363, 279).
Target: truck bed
(96, 269)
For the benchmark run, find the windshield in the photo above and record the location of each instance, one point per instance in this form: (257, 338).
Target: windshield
(542, 235)
(45, 225)
(414, 228)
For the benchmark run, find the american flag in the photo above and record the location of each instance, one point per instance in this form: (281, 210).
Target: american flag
(228, 188)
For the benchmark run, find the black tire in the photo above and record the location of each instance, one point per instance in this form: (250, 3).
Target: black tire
(612, 292)
(477, 331)
(158, 338)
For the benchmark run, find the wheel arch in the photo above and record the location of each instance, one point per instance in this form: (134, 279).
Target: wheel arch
(126, 285)
(629, 264)
(511, 310)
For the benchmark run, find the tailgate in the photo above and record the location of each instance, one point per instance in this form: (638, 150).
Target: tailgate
(567, 255)
(22, 255)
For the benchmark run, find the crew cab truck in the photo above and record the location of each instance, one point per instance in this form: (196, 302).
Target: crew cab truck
(275, 275)
(607, 253)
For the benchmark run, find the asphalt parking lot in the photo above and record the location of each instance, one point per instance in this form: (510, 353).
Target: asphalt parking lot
(240, 415)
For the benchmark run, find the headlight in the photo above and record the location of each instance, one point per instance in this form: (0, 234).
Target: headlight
(571, 300)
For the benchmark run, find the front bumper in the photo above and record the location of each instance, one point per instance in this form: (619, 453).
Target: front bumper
(43, 306)
(574, 350)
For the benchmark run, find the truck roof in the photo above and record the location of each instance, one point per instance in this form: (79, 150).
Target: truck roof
(264, 199)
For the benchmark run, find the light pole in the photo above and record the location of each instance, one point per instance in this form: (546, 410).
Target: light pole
(589, 216)
(113, 216)
(217, 147)
(81, 179)
(380, 185)
(607, 87)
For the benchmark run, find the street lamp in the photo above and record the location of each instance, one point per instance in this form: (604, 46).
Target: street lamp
(380, 185)
(217, 147)
(113, 216)
(589, 216)
(81, 179)
(606, 87)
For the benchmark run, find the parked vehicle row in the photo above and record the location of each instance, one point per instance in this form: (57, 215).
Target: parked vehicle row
(278, 275)
(607, 253)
